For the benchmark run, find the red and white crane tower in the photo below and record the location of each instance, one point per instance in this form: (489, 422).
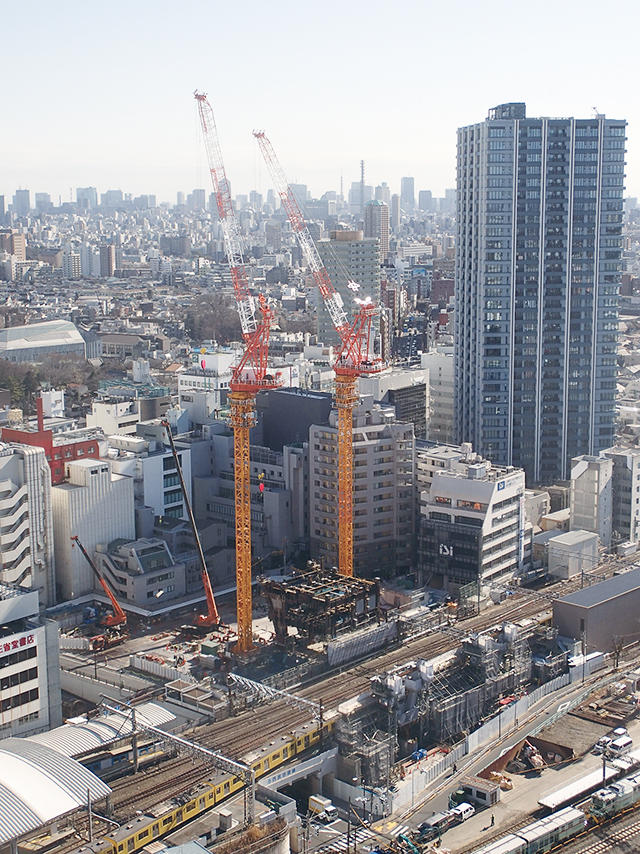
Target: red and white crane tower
(249, 376)
(355, 357)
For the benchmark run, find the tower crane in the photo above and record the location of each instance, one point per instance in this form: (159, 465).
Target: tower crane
(210, 620)
(249, 376)
(118, 619)
(355, 357)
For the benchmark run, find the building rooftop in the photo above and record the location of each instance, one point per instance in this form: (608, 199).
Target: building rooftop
(38, 784)
(47, 334)
(613, 587)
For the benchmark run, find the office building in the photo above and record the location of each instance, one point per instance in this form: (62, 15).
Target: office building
(71, 266)
(60, 447)
(425, 201)
(96, 506)
(473, 522)
(438, 361)
(383, 193)
(349, 258)
(151, 466)
(383, 492)
(30, 696)
(21, 202)
(538, 257)
(591, 498)
(142, 572)
(395, 212)
(114, 417)
(87, 198)
(407, 194)
(406, 389)
(26, 532)
(107, 260)
(625, 490)
(43, 202)
(376, 224)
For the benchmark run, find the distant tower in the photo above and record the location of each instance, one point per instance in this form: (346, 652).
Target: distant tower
(376, 224)
(362, 188)
(407, 195)
(395, 212)
(107, 260)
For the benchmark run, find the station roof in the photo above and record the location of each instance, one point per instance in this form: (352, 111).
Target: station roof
(613, 587)
(82, 735)
(38, 784)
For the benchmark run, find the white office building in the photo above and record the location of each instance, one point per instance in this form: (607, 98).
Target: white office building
(439, 361)
(98, 507)
(114, 416)
(30, 699)
(26, 527)
(625, 489)
(150, 465)
(473, 524)
(591, 497)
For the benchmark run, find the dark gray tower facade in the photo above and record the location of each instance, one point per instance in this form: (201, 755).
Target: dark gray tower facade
(538, 267)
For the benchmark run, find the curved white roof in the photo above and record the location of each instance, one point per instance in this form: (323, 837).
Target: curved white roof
(38, 784)
(81, 735)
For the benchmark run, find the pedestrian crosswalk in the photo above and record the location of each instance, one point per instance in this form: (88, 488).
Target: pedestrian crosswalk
(338, 845)
(400, 828)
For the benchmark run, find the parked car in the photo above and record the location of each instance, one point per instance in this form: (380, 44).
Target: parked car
(462, 812)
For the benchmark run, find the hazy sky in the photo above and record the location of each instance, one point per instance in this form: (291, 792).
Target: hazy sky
(100, 93)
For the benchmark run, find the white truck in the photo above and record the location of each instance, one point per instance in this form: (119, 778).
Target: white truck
(322, 809)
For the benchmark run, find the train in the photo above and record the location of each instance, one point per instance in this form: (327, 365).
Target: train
(114, 762)
(570, 823)
(167, 816)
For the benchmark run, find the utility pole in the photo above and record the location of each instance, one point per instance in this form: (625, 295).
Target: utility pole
(89, 810)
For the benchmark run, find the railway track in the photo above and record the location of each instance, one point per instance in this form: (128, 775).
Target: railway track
(236, 736)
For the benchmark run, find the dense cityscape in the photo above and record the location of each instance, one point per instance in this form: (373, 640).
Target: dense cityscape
(319, 517)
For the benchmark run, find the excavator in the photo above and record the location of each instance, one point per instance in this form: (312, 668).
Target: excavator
(211, 620)
(115, 623)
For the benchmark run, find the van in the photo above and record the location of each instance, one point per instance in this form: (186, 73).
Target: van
(462, 812)
(619, 746)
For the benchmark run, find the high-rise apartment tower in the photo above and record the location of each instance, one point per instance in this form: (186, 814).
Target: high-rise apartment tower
(376, 224)
(538, 260)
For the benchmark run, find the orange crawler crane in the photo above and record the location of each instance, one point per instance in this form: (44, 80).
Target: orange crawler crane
(355, 357)
(210, 620)
(249, 376)
(118, 619)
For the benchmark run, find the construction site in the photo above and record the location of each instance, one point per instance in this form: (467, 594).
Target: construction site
(312, 687)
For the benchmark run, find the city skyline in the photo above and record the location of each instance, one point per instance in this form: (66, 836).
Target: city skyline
(128, 74)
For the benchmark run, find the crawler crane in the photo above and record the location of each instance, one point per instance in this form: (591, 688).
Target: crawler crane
(249, 376)
(117, 620)
(355, 357)
(210, 620)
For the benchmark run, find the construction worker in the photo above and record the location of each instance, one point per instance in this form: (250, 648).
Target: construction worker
(493, 819)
